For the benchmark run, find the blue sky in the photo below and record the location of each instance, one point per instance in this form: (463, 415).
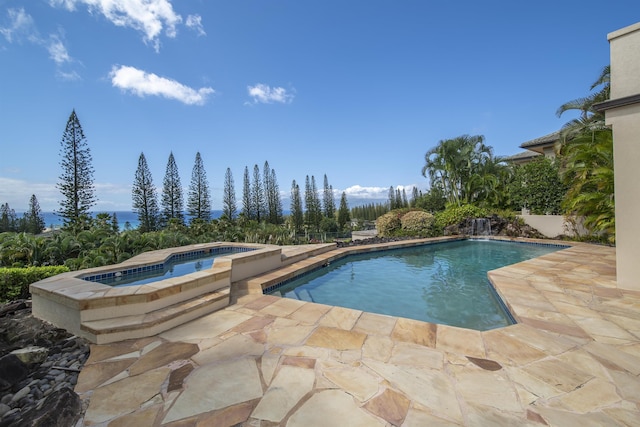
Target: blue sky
(357, 90)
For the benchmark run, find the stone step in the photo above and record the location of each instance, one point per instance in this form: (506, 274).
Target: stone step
(143, 325)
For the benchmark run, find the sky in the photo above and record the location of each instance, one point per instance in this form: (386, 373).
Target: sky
(356, 90)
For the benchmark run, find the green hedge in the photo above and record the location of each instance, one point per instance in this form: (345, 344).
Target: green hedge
(14, 282)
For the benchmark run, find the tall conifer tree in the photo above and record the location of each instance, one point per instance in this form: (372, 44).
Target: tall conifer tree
(276, 201)
(229, 207)
(247, 208)
(297, 214)
(328, 203)
(398, 198)
(199, 200)
(268, 193)
(392, 198)
(145, 200)
(313, 214)
(343, 212)
(7, 218)
(272, 195)
(34, 221)
(414, 196)
(257, 195)
(76, 180)
(172, 201)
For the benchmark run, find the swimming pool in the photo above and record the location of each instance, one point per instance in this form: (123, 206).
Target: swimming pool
(175, 266)
(442, 283)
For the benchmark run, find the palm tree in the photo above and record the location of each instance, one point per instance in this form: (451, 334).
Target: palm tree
(588, 171)
(465, 169)
(62, 247)
(587, 161)
(589, 119)
(22, 249)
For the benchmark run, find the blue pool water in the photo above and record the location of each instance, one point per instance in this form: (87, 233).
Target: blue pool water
(442, 283)
(178, 265)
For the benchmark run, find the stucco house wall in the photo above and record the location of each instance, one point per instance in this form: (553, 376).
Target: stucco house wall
(623, 114)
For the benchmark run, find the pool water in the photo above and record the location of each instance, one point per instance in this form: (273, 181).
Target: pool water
(185, 265)
(442, 283)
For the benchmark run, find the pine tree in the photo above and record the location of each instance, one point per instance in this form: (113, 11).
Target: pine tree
(76, 181)
(172, 202)
(115, 226)
(343, 212)
(276, 201)
(313, 214)
(7, 218)
(328, 202)
(297, 215)
(414, 196)
(247, 208)
(392, 198)
(267, 186)
(272, 195)
(229, 207)
(257, 195)
(34, 221)
(145, 201)
(199, 200)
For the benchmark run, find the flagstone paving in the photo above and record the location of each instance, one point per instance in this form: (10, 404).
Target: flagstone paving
(573, 358)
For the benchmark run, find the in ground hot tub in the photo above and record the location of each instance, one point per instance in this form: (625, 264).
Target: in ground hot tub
(89, 303)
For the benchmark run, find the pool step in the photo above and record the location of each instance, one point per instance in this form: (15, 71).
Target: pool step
(127, 327)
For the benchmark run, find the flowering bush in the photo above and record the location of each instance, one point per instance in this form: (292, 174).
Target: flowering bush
(388, 224)
(417, 223)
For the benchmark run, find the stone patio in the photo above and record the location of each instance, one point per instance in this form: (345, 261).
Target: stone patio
(572, 359)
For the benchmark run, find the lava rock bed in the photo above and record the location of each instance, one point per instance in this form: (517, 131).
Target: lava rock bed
(39, 367)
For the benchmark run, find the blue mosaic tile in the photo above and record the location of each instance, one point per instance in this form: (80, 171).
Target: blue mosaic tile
(175, 257)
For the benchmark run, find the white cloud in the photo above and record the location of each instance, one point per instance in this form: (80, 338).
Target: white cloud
(16, 193)
(149, 17)
(57, 50)
(20, 26)
(60, 55)
(265, 94)
(68, 75)
(141, 83)
(195, 23)
(374, 194)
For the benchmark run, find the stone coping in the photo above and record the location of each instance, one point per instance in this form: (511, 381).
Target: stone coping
(267, 282)
(71, 290)
(573, 359)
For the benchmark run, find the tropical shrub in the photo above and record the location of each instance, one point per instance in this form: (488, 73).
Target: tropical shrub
(14, 282)
(454, 214)
(466, 171)
(406, 222)
(417, 223)
(389, 224)
(537, 186)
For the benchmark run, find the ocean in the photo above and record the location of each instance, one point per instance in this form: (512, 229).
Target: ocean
(52, 220)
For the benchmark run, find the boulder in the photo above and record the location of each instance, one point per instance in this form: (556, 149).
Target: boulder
(60, 409)
(32, 354)
(11, 308)
(12, 371)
